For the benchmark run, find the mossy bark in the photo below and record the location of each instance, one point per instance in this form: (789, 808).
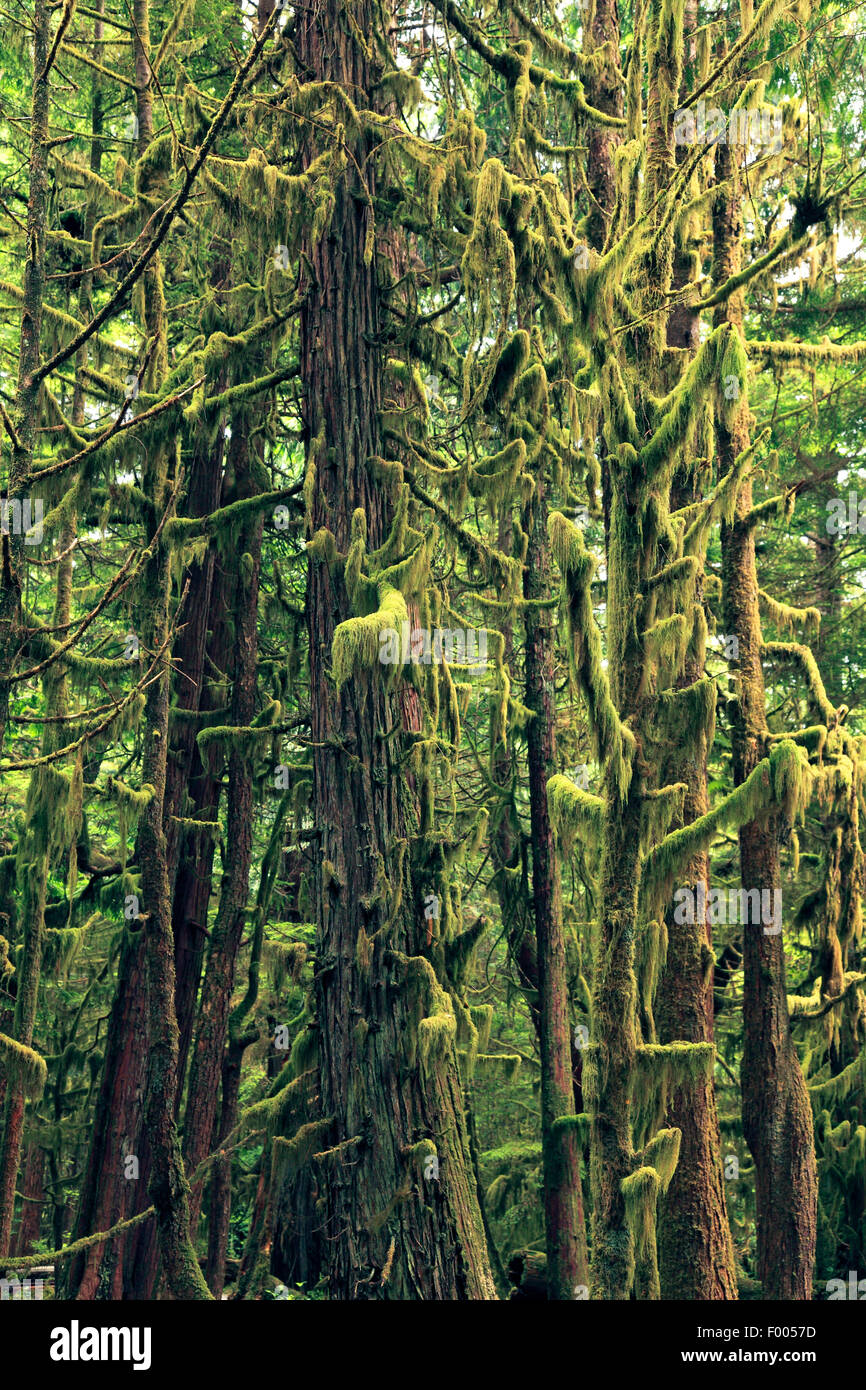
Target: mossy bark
(696, 1257)
(607, 1082)
(390, 1229)
(695, 1250)
(168, 1185)
(27, 395)
(777, 1115)
(565, 1232)
(32, 914)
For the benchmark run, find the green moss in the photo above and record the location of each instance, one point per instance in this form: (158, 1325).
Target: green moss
(23, 1067)
(613, 741)
(782, 781)
(575, 813)
(357, 641)
(507, 1062)
(289, 1156)
(662, 1153)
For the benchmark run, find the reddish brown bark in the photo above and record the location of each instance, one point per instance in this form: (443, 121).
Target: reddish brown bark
(381, 1236)
(212, 1026)
(32, 1195)
(107, 1194)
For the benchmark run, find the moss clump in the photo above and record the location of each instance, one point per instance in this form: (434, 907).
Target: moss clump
(613, 741)
(23, 1067)
(575, 813)
(289, 1156)
(357, 641)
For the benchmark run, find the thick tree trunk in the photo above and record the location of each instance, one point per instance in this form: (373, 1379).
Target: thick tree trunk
(390, 1230)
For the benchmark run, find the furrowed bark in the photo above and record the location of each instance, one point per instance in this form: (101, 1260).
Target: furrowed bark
(382, 1237)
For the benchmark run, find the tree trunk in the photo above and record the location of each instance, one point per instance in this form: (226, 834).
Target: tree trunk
(112, 1187)
(563, 1196)
(390, 1231)
(777, 1115)
(696, 1255)
(168, 1185)
(33, 1199)
(212, 1029)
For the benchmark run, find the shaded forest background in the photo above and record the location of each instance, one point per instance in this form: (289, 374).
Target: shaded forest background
(432, 552)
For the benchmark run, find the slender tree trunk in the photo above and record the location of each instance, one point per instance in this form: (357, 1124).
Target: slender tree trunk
(607, 1081)
(108, 1191)
(696, 1257)
(220, 1196)
(192, 791)
(190, 855)
(604, 91)
(563, 1196)
(212, 1029)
